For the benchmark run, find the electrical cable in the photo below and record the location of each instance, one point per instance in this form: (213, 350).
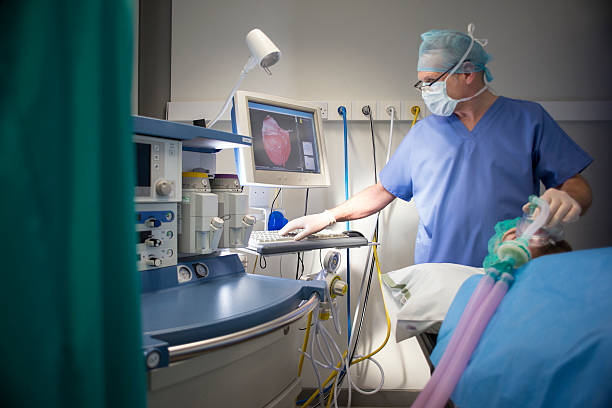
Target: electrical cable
(342, 112)
(306, 336)
(300, 255)
(272, 207)
(416, 111)
(392, 109)
(373, 144)
(250, 64)
(368, 111)
(337, 382)
(314, 366)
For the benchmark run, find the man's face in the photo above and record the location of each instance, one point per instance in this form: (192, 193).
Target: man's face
(534, 250)
(454, 88)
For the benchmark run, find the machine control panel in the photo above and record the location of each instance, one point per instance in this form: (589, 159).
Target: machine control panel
(158, 169)
(156, 228)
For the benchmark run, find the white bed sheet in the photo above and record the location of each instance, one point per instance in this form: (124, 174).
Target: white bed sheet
(419, 296)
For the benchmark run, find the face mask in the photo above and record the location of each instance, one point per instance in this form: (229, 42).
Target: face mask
(435, 96)
(439, 103)
(543, 236)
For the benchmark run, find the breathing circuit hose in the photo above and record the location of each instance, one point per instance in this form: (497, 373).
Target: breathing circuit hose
(480, 293)
(468, 343)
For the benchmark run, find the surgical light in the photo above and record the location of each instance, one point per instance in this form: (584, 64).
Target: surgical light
(263, 53)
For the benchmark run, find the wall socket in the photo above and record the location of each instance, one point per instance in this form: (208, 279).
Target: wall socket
(259, 197)
(322, 108)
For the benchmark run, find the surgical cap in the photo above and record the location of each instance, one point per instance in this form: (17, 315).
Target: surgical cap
(443, 49)
(500, 229)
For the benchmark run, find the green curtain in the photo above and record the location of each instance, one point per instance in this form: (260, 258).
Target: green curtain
(70, 316)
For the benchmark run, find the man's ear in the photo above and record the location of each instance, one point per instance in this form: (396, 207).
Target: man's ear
(470, 77)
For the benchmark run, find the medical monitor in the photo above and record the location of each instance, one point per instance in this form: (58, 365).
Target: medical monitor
(288, 148)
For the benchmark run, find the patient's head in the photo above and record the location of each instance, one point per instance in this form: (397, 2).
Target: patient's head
(538, 245)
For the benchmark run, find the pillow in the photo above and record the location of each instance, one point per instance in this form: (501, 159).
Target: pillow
(420, 295)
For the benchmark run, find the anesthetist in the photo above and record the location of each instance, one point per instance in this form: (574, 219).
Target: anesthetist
(475, 161)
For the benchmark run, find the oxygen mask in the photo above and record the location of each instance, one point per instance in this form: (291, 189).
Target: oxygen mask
(513, 253)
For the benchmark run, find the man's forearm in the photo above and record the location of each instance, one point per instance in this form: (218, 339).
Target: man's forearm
(366, 202)
(578, 188)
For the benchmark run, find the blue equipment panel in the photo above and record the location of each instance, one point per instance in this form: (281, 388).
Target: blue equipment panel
(227, 300)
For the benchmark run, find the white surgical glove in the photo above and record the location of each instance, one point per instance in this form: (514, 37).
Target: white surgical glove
(563, 208)
(310, 223)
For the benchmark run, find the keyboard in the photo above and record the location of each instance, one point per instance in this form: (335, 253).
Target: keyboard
(270, 242)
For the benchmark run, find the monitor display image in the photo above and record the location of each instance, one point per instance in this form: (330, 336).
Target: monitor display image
(283, 139)
(287, 143)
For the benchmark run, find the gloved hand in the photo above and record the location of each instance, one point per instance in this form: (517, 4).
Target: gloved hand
(563, 208)
(310, 223)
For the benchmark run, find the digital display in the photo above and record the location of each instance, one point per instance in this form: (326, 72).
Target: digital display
(283, 139)
(143, 165)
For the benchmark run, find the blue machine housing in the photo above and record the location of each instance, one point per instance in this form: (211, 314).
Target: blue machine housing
(227, 300)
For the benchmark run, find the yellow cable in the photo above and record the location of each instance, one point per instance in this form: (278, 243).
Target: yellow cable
(332, 375)
(255, 265)
(331, 395)
(386, 312)
(415, 109)
(305, 343)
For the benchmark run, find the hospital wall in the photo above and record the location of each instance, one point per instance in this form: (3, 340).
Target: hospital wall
(367, 50)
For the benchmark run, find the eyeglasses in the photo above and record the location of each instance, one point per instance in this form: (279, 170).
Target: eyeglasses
(420, 84)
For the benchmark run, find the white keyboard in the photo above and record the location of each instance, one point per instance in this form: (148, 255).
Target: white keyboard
(274, 236)
(270, 242)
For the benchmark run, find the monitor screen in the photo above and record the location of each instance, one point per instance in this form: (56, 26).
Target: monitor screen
(283, 139)
(287, 143)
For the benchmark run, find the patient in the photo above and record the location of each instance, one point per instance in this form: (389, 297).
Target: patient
(545, 241)
(425, 291)
(541, 243)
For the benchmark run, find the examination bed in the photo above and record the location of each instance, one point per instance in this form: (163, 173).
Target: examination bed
(549, 344)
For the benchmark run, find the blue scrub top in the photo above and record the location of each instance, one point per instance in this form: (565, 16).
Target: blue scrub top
(464, 182)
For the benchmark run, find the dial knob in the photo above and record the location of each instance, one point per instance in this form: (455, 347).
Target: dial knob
(153, 242)
(216, 223)
(163, 187)
(339, 288)
(154, 262)
(249, 220)
(152, 223)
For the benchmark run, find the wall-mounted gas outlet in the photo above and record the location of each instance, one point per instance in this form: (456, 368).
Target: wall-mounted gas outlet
(383, 110)
(322, 108)
(408, 110)
(358, 111)
(332, 113)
